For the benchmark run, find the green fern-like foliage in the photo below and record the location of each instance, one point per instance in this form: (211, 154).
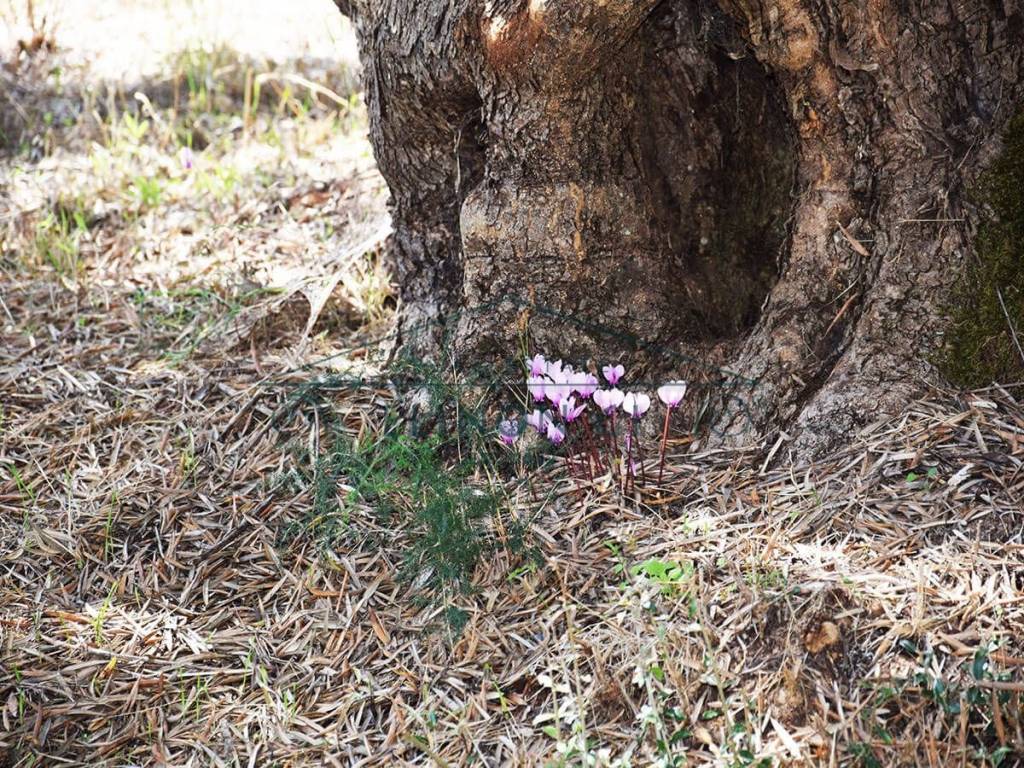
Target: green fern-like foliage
(989, 307)
(437, 481)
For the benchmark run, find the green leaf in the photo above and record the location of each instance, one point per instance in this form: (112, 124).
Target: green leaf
(980, 664)
(680, 735)
(998, 756)
(908, 646)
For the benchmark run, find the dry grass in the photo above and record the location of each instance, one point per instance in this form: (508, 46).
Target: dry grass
(151, 612)
(864, 611)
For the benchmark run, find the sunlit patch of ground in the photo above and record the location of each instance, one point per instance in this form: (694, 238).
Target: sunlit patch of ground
(149, 32)
(192, 572)
(221, 174)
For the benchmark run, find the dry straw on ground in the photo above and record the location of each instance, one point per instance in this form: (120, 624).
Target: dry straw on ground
(867, 610)
(152, 613)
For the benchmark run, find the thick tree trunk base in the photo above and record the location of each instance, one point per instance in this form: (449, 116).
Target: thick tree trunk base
(780, 184)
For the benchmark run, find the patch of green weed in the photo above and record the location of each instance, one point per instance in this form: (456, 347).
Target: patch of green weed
(57, 241)
(953, 708)
(441, 488)
(193, 313)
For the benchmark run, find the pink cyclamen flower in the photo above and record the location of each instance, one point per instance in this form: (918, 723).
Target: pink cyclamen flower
(585, 384)
(536, 386)
(508, 431)
(559, 388)
(636, 404)
(608, 400)
(555, 435)
(672, 394)
(539, 420)
(537, 364)
(186, 158)
(613, 373)
(569, 411)
(554, 369)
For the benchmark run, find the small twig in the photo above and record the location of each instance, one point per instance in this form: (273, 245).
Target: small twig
(6, 310)
(842, 311)
(1000, 685)
(314, 88)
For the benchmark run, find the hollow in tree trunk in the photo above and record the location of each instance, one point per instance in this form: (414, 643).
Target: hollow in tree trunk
(775, 191)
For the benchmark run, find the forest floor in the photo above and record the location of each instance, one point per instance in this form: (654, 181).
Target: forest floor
(218, 545)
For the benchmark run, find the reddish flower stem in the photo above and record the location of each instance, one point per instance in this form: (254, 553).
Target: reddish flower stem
(630, 472)
(590, 445)
(664, 443)
(614, 455)
(572, 443)
(567, 444)
(640, 458)
(569, 463)
(583, 455)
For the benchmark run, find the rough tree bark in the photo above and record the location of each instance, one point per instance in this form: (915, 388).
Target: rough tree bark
(780, 186)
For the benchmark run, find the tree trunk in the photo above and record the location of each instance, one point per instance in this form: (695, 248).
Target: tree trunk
(778, 187)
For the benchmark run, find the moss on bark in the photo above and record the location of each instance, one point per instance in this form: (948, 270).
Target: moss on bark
(988, 309)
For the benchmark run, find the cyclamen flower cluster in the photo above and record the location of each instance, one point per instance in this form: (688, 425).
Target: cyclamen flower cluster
(562, 394)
